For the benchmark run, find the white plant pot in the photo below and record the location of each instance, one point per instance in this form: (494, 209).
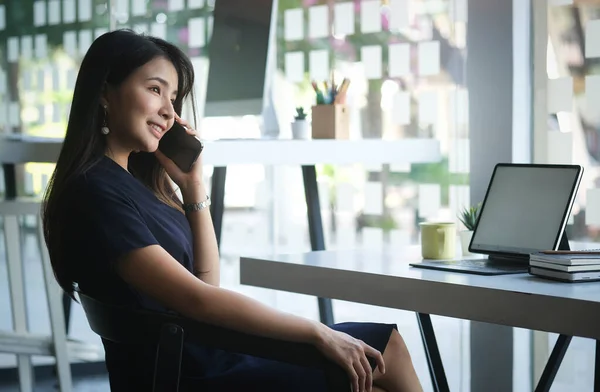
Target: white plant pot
(465, 240)
(300, 130)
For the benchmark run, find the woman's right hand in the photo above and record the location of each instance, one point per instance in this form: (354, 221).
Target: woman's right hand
(351, 354)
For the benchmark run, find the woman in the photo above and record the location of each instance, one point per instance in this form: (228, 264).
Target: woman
(114, 225)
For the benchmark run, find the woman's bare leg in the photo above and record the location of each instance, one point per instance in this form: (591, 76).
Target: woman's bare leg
(400, 375)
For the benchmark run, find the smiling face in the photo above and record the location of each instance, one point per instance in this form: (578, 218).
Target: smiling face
(140, 110)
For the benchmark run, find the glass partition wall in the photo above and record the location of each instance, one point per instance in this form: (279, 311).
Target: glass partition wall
(566, 130)
(405, 60)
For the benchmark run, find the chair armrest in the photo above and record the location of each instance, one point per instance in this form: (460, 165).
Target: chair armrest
(135, 326)
(217, 337)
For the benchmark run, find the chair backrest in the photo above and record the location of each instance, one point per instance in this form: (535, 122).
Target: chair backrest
(119, 324)
(126, 325)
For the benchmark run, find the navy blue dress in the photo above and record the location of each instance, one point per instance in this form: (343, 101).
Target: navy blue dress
(113, 213)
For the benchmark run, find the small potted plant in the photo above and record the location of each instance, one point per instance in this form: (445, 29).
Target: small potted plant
(468, 217)
(300, 128)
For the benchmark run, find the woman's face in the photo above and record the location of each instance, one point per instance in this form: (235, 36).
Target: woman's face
(140, 110)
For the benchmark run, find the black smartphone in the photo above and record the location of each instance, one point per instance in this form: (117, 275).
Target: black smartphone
(181, 147)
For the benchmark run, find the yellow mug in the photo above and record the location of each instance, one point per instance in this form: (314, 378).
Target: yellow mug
(438, 240)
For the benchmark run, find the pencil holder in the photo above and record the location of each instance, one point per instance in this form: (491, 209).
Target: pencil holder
(330, 122)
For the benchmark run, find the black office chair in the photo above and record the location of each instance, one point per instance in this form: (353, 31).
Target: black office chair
(126, 325)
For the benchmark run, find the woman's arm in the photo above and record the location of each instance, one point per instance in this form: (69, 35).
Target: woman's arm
(206, 251)
(153, 271)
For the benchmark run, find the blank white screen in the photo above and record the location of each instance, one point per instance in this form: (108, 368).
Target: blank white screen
(524, 208)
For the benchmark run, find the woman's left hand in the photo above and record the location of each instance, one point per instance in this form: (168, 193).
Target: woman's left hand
(191, 180)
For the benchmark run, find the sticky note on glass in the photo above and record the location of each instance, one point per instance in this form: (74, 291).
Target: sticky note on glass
(209, 27)
(459, 156)
(70, 43)
(55, 77)
(197, 32)
(2, 82)
(370, 16)
(428, 107)
(294, 66)
(39, 13)
(195, 4)
(399, 60)
(53, 12)
(560, 95)
(85, 41)
(159, 30)
(138, 7)
(68, 11)
(27, 80)
(401, 108)
(176, 5)
(592, 38)
(430, 196)
(2, 17)
(429, 58)
(84, 10)
(592, 208)
(399, 16)
(459, 106)
(343, 23)
(293, 24)
(122, 8)
(71, 79)
(371, 59)
(318, 21)
(592, 90)
(26, 47)
(318, 65)
(458, 10)
(41, 80)
(12, 49)
(560, 147)
(4, 122)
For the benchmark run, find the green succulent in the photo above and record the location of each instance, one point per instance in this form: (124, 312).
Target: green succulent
(469, 216)
(300, 113)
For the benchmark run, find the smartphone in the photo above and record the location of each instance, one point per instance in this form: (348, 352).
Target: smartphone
(181, 147)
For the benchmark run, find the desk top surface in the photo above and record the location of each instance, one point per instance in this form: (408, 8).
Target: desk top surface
(383, 277)
(22, 149)
(394, 262)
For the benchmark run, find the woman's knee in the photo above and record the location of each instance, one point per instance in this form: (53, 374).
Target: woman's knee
(396, 345)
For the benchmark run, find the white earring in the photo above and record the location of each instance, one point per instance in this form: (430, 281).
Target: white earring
(104, 129)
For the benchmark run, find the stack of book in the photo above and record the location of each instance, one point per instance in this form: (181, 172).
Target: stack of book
(570, 266)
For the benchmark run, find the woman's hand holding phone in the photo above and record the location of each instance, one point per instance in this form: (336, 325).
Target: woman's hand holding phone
(189, 182)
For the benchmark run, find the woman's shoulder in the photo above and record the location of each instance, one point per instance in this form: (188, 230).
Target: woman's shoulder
(100, 180)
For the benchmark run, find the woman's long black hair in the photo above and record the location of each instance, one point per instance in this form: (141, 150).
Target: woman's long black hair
(110, 59)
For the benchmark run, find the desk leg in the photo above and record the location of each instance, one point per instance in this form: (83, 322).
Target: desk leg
(432, 352)
(597, 368)
(217, 196)
(315, 230)
(553, 364)
(10, 180)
